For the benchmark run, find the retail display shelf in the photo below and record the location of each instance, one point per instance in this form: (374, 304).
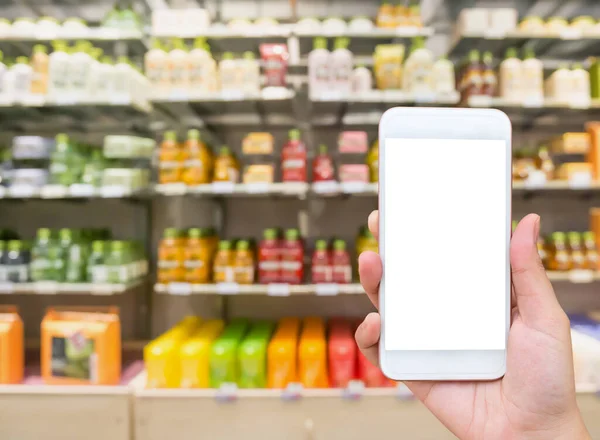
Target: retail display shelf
(67, 410)
(574, 276)
(39, 101)
(298, 189)
(55, 288)
(353, 412)
(575, 184)
(275, 289)
(388, 96)
(218, 32)
(76, 191)
(493, 102)
(373, 33)
(267, 94)
(580, 43)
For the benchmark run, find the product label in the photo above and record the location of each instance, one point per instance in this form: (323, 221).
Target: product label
(168, 264)
(99, 274)
(74, 357)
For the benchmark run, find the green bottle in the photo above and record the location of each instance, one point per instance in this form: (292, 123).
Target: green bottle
(115, 263)
(40, 266)
(223, 354)
(62, 170)
(96, 265)
(76, 259)
(93, 169)
(57, 264)
(252, 356)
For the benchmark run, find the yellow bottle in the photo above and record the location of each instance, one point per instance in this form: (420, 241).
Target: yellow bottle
(282, 354)
(197, 160)
(161, 356)
(226, 167)
(39, 65)
(312, 355)
(195, 354)
(373, 162)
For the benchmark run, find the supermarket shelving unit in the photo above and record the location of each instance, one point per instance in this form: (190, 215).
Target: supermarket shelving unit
(130, 411)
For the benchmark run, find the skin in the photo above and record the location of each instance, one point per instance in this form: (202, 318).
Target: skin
(536, 397)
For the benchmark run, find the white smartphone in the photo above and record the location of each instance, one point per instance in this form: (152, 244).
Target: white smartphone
(445, 182)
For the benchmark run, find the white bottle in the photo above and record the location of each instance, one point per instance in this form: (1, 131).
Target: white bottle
(23, 76)
(79, 70)
(228, 73)
(532, 77)
(179, 67)
(103, 79)
(580, 86)
(58, 67)
(362, 80)
(559, 85)
(3, 69)
(418, 69)
(342, 64)
(443, 76)
(156, 65)
(123, 83)
(200, 62)
(94, 75)
(250, 69)
(8, 86)
(319, 68)
(510, 77)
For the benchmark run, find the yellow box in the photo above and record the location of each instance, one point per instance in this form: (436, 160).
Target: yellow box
(161, 356)
(571, 143)
(567, 170)
(81, 345)
(11, 346)
(195, 355)
(258, 143)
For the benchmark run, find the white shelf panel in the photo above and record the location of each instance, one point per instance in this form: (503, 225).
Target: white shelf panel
(266, 94)
(53, 288)
(388, 96)
(50, 192)
(185, 289)
(374, 33)
(240, 189)
(91, 34)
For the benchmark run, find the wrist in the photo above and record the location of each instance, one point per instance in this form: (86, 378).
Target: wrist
(573, 429)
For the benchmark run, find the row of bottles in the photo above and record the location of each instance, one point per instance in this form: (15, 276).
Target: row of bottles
(208, 354)
(521, 80)
(182, 69)
(334, 72)
(71, 74)
(569, 251)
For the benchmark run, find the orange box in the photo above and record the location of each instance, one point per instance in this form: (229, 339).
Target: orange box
(567, 170)
(312, 354)
(81, 346)
(258, 143)
(571, 143)
(593, 155)
(11, 346)
(282, 354)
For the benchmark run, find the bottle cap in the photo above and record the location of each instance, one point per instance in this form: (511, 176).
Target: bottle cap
(321, 245)
(170, 136)
(339, 245)
(270, 234)
(193, 134)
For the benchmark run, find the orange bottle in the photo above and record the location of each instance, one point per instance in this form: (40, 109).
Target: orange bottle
(170, 159)
(243, 263)
(312, 355)
(226, 167)
(171, 254)
(223, 263)
(282, 354)
(197, 256)
(197, 160)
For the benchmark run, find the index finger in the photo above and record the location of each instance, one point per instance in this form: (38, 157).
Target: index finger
(373, 223)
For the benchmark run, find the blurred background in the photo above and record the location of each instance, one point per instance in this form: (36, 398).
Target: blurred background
(184, 190)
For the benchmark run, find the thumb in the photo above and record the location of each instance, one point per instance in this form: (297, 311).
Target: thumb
(536, 301)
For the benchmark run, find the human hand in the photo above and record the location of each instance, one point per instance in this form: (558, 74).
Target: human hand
(536, 397)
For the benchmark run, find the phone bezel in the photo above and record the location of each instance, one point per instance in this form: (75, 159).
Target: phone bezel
(443, 123)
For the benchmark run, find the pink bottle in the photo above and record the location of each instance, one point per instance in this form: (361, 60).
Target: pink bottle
(321, 270)
(340, 261)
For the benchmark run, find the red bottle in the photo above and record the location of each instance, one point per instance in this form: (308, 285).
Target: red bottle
(322, 166)
(292, 258)
(269, 260)
(293, 159)
(342, 353)
(340, 261)
(370, 374)
(321, 264)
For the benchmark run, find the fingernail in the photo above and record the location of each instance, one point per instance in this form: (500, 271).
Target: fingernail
(536, 230)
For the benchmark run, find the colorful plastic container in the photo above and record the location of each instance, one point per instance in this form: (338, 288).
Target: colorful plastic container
(195, 355)
(252, 356)
(282, 354)
(312, 354)
(223, 353)
(342, 351)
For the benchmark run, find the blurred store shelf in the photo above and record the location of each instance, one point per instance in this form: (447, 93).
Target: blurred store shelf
(328, 289)
(570, 43)
(54, 288)
(76, 191)
(229, 189)
(184, 289)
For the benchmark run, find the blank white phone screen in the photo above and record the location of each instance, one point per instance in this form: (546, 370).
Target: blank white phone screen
(445, 243)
